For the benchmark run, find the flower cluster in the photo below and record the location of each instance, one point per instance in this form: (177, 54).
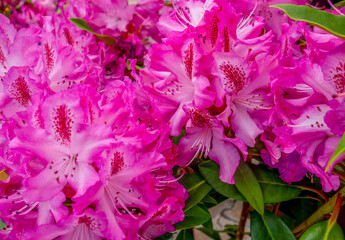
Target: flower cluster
(86, 127)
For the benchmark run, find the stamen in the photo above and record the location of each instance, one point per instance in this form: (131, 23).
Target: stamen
(334, 7)
(338, 95)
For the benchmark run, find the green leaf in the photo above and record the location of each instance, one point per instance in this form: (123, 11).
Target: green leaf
(2, 225)
(274, 190)
(341, 4)
(85, 26)
(268, 227)
(195, 216)
(192, 181)
(211, 233)
(320, 231)
(176, 139)
(166, 236)
(338, 151)
(210, 200)
(210, 171)
(327, 21)
(196, 196)
(216, 196)
(249, 187)
(299, 209)
(186, 234)
(197, 189)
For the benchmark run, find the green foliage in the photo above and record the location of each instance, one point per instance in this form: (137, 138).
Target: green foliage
(210, 171)
(166, 236)
(195, 216)
(207, 229)
(2, 225)
(299, 209)
(269, 227)
(85, 26)
(338, 151)
(249, 187)
(327, 21)
(323, 231)
(274, 190)
(176, 139)
(197, 189)
(186, 234)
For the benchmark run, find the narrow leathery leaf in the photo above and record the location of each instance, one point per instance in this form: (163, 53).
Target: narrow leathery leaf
(211, 233)
(196, 195)
(197, 189)
(318, 232)
(274, 190)
(209, 199)
(195, 216)
(185, 235)
(325, 20)
(248, 185)
(338, 151)
(210, 171)
(85, 26)
(269, 227)
(192, 181)
(106, 39)
(166, 236)
(82, 24)
(3, 175)
(208, 224)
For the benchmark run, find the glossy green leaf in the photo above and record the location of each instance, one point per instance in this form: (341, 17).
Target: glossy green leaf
(210, 171)
(249, 187)
(185, 235)
(210, 200)
(195, 216)
(192, 181)
(339, 150)
(2, 225)
(327, 21)
(85, 26)
(320, 231)
(269, 227)
(300, 208)
(166, 236)
(211, 233)
(217, 198)
(274, 190)
(197, 189)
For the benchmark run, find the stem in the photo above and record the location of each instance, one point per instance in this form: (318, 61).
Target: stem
(315, 191)
(319, 214)
(313, 198)
(336, 210)
(276, 208)
(244, 215)
(342, 166)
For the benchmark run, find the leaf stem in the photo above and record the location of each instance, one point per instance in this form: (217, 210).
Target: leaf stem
(341, 176)
(317, 216)
(341, 166)
(315, 191)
